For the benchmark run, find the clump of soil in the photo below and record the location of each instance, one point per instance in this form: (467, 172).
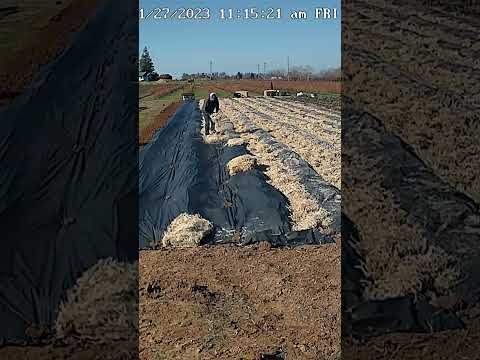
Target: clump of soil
(241, 164)
(103, 306)
(187, 231)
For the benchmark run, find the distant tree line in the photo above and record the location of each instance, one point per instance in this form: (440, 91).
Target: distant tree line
(304, 72)
(221, 76)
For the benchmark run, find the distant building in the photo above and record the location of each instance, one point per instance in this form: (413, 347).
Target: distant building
(151, 76)
(142, 76)
(165, 77)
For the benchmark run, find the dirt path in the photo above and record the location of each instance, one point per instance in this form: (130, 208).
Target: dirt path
(227, 302)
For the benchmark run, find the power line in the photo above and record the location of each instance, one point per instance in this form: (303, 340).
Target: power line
(288, 68)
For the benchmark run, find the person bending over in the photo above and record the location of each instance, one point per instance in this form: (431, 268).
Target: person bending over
(211, 105)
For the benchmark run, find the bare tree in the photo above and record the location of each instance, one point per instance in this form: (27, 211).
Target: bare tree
(333, 74)
(276, 73)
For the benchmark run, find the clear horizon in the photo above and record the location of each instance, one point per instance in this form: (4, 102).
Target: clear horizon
(188, 46)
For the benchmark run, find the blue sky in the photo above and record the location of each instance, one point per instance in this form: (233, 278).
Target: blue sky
(179, 46)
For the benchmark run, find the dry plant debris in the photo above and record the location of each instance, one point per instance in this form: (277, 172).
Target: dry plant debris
(397, 77)
(320, 147)
(305, 210)
(398, 259)
(235, 142)
(186, 231)
(103, 305)
(215, 138)
(241, 164)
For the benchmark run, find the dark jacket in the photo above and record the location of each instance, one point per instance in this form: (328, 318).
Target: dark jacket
(212, 105)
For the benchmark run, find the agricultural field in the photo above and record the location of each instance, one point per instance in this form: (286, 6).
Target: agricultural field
(258, 86)
(212, 288)
(157, 91)
(201, 89)
(157, 102)
(312, 133)
(411, 167)
(327, 93)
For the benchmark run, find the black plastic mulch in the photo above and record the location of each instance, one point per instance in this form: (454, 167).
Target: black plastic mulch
(448, 219)
(179, 173)
(68, 178)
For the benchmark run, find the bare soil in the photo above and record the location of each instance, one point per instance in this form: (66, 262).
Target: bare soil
(258, 86)
(152, 89)
(228, 302)
(158, 122)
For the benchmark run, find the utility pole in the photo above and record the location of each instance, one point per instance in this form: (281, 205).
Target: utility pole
(258, 70)
(211, 69)
(288, 68)
(264, 70)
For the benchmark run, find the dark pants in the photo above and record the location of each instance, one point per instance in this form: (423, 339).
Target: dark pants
(209, 124)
